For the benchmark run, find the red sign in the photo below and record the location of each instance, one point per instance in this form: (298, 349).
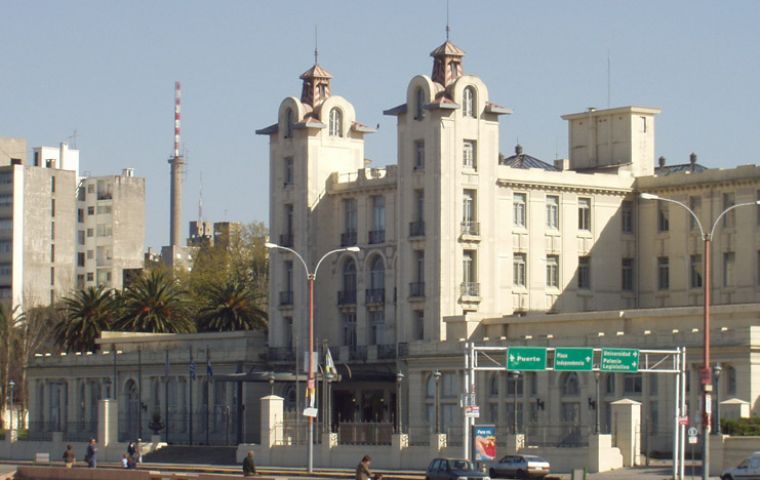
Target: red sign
(683, 421)
(706, 375)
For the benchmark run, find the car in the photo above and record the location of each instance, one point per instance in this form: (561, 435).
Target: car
(453, 469)
(520, 466)
(748, 469)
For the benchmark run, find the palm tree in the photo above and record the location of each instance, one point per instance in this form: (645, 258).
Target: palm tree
(84, 315)
(230, 306)
(155, 303)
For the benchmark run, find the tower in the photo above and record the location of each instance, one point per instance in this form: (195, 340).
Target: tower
(177, 163)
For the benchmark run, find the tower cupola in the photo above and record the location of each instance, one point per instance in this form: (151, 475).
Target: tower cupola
(316, 85)
(447, 63)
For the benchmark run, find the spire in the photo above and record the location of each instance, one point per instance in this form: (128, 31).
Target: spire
(316, 80)
(447, 65)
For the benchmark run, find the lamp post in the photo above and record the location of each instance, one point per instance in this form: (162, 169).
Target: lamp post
(12, 385)
(597, 373)
(706, 375)
(437, 376)
(399, 379)
(311, 276)
(515, 376)
(271, 383)
(716, 372)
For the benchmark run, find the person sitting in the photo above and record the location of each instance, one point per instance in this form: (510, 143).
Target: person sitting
(362, 470)
(249, 467)
(69, 457)
(124, 461)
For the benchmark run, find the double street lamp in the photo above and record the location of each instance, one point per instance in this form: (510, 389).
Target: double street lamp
(311, 276)
(12, 385)
(706, 374)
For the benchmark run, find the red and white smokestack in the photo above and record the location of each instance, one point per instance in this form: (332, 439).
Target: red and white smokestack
(177, 105)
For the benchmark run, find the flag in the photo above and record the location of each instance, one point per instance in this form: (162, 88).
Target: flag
(166, 365)
(209, 370)
(192, 370)
(330, 364)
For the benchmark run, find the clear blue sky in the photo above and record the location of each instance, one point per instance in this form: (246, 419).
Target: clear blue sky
(107, 69)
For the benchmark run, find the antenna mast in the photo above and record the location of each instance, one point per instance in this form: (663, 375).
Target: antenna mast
(448, 29)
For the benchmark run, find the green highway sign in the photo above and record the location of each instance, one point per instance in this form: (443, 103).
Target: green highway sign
(573, 359)
(526, 358)
(622, 360)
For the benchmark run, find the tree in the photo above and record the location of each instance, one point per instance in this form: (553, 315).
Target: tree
(230, 306)
(9, 320)
(155, 303)
(85, 315)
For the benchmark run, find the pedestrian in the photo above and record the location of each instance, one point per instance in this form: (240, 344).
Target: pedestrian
(91, 457)
(138, 448)
(69, 457)
(124, 461)
(362, 470)
(131, 450)
(249, 467)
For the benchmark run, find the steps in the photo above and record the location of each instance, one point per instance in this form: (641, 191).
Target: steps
(193, 455)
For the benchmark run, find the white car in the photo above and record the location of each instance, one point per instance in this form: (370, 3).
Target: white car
(747, 470)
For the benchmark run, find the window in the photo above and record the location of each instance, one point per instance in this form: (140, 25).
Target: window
(52, 276)
(569, 384)
(609, 384)
(6, 246)
(91, 188)
(584, 272)
(519, 206)
(52, 184)
(376, 327)
(288, 321)
(552, 212)
(90, 254)
(627, 283)
(104, 209)
(90, 276)
(632, 383)
(627, 217)
(6, 269)
(105, 190)
(6, 178)
(349, 278)
(469, 154)
(695, 204)
(695, 271)
(419, 325)
(468, 107)
(90, 210)
(468, 207)
(552, 271)
(729, 219)
(419, 262)
(349, 329)
(378, 213)
(7, 200)
(728, 269)
(663, 273)
(80, 194)
(104, 230)
(419, 154)
(453, 69)
(289, 123)
(336, 123)
(730, 374)
(519, 270)
(288, 171)
(419, 204)
(80, 215)
(584, 214)
(468, 267)
(663, 217)
(80, 259)
(90, 232)
(80, 237)
(653, 386)
(349, 212)
(419, 103)
(6, 224)
(377, 274)
(52, 230)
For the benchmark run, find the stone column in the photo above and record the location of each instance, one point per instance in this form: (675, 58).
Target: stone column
(271, 424)
(108, 422)
(515, 443)
(601, 456)
(398, 443)
(626, 421)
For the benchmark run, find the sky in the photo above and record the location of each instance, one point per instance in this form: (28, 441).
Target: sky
(106, 69)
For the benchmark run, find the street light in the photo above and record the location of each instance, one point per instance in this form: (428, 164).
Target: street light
(515, 376)
(597, 373)
(437, 376)
(705, 373)
(12, 385)
(399, 379)
(271, 383)
(311, 383)
(716, 372)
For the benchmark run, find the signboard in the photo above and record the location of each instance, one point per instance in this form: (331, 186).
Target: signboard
(526, 358)
(692, 435)
(472, 411)
(620, 360)
(310, 412)
(484, 443)
(467, 400)
(683, 421)
(573, 359)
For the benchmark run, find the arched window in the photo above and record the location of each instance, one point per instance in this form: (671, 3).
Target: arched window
(730, 374)
(289, 123)
(468, 109)
(349, 276)
(569, 384)
(430, 387)
(419, 103)
(377, 274)
(336, 123)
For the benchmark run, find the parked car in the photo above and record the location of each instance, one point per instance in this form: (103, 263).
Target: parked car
(520, 466)
(748, 469)
(453, 469)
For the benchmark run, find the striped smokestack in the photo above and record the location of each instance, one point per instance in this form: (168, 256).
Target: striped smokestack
(177, 163)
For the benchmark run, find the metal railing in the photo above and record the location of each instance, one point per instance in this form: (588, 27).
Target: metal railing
(417, 228)
(563, 436)
(281, 354)
(365, 433)
(286, 240)
(80, 431)
(348, 239)
(377, 236)
(357, 352)
(470, 289)
(471, 228)
(417, 289)
(385, 352)
(374, 296)
(286, 298)
(347, 297)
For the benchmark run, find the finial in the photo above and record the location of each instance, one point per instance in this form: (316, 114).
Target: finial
(448, 29)
(316, 46)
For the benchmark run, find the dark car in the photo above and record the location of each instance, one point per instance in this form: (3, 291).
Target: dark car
(520, 466)
(453, 469)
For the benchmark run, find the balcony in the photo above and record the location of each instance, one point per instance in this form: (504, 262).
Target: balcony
(286, 240)
(385, 352)
(417, 289)
(348, 239)
(417, 228)
(281, 354)
(347, 297)
(471, 229)
(376, 236)
(470, 289)
(286, 298)
(374, 296)
(357, 352)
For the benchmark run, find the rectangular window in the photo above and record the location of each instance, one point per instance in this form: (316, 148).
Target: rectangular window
(609, 384)
(6, 200)
(419, 325)
(91, 188)
(468, 207)
(584, 214)
(419, 205)
(419, 154)
(519, 270)
(288, 274)
(470, 154)
(584, 272)
(104, 209)
(52, 207)
(80, 215)
(90, 232)
(653, 387)
(288, 334)
(350, 215)
(104, 230)
(52, 184)
(632, 383)
(695, 271)
(376, 327)
(105, 190)
(663, 273)
(288, 173)
(52, 276)
(52, 253)
(627, 283)
(81, 194)
(6, 269)
(728, 269)
(52, 230)
(90, 276)
(729, 200)
(419, 261)
(468, 267)
(663, 217)
(520, 209)
(90, 210)
(695, 204)
(349, 329)
(80, 259)
(378, 213)
(552, 271)
(90, 254)
(80, 237)
(627, 216)
(552, 212)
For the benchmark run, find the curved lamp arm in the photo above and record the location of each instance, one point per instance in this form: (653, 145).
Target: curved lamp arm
(717, 220)
(651, 196)
(280, 247)
(337, 250)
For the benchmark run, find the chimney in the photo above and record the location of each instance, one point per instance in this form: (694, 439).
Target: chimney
(562, 164)
(693, 158)
(518, 149)
(128, 172)
(661, 161)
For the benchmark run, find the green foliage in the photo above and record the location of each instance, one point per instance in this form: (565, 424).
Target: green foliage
(84, 315)
(743, 427)
(230, 306)
(155, 303)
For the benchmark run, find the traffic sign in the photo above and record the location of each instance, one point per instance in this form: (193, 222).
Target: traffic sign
(472, 411)
(683, 421)
(693, 432)
(573, 359)
(526, 358)
(622, 360)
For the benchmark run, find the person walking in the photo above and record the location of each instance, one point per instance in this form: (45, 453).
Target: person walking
(362, 470)
(91, 457)
(69, 457)
(131, 450)
(249, 467)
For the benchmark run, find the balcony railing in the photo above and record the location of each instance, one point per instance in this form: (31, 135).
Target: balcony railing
(357, 352)
(470, 289)
(377, 236)
(417, 228)
(286, 297)
(471, 228)
(417, 289)
(286, 240)
(374, 296)
(347, 297)
(384, 352)
(348, 239)
(281, 354)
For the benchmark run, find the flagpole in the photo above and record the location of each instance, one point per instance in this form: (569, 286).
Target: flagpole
(208, 393)
(166, 397)
(190, 394)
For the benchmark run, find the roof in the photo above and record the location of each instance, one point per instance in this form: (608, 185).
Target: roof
(315, 72)
(449, 49)
(397, 110)
(525, 161)
(268, 130)
(497, 109)
(361, 128)
(680, 168)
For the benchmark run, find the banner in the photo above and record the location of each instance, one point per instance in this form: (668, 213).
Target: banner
(484, 443)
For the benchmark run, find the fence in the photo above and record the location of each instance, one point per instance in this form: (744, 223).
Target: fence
(563, 436)
(80, 431)
(217, 427)
(365, 433)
